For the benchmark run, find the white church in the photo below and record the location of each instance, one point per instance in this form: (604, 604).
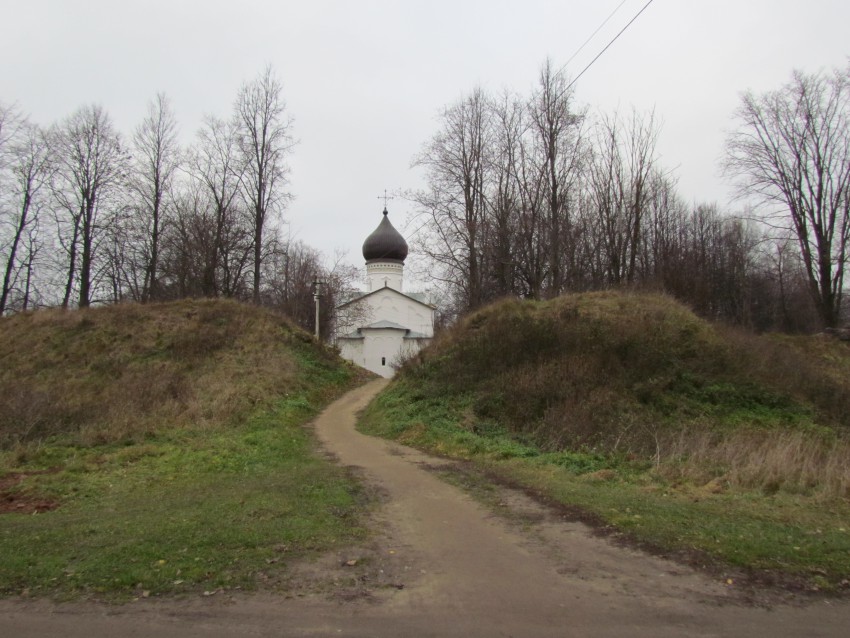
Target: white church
(378, 328)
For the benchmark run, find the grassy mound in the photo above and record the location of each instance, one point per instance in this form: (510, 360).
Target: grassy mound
(120, 372)
(629, 405)
(634, 375)
(162, 449)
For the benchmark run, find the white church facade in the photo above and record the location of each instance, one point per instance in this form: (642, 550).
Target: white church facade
(380, 327)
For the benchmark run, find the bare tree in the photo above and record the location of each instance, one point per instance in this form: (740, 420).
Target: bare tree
(156, 159)
(789, 304)
(620, 189)
(32, 246)
(10, 122)
(557, 129)
(509, 126)
(30, 170)
(791, 151)
(341, 292)
(91, 164)
(661, 245)
(219, 222)
(297, 266)
(456, 163)
(265, 139)
(531, 253)
(184, 249)
(10, 126)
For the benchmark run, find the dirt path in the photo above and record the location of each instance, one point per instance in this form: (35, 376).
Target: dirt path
(444, 565)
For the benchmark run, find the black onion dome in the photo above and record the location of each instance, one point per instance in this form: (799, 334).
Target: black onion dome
(385, 243)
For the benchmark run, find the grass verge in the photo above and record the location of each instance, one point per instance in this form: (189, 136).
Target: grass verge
(185, 511)
(795, 540)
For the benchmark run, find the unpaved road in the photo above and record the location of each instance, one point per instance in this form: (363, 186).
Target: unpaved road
(444, 565)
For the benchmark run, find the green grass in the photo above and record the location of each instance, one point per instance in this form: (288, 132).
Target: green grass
(187, 510)
(792, 536)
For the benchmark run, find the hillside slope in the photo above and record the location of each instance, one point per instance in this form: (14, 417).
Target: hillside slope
(120, 372)
(163, 449)
(681, 434)
(611, 371)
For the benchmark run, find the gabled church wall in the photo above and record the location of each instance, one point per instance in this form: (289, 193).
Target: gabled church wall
(352, 350)
(400, 310)
(381, 349)
(419, 319)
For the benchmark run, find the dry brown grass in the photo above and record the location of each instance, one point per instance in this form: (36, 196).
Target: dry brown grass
(121, 372)
(790, 461)
(814, 369)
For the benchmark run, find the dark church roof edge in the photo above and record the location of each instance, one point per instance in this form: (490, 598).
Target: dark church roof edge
(385, 289)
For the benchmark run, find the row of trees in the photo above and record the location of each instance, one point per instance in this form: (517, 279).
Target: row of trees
(533, 196)
(89, 216)
(529, 196)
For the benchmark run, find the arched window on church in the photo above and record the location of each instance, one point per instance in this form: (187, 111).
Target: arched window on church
(383, 361)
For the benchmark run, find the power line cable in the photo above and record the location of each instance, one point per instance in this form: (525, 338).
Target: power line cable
(604, 22)
(613, 40)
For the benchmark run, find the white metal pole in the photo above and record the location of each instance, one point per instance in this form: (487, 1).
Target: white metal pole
(317, 295)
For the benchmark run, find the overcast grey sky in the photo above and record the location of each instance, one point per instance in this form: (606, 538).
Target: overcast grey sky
(366, 79)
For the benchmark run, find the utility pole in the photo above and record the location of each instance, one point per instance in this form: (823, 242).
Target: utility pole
(316, 295)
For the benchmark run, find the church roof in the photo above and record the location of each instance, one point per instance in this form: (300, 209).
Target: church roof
(408, 333)
(418, 297)
(421, 297)
(412, 334)
(352, 335)
(383, 323)
(385, 243)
